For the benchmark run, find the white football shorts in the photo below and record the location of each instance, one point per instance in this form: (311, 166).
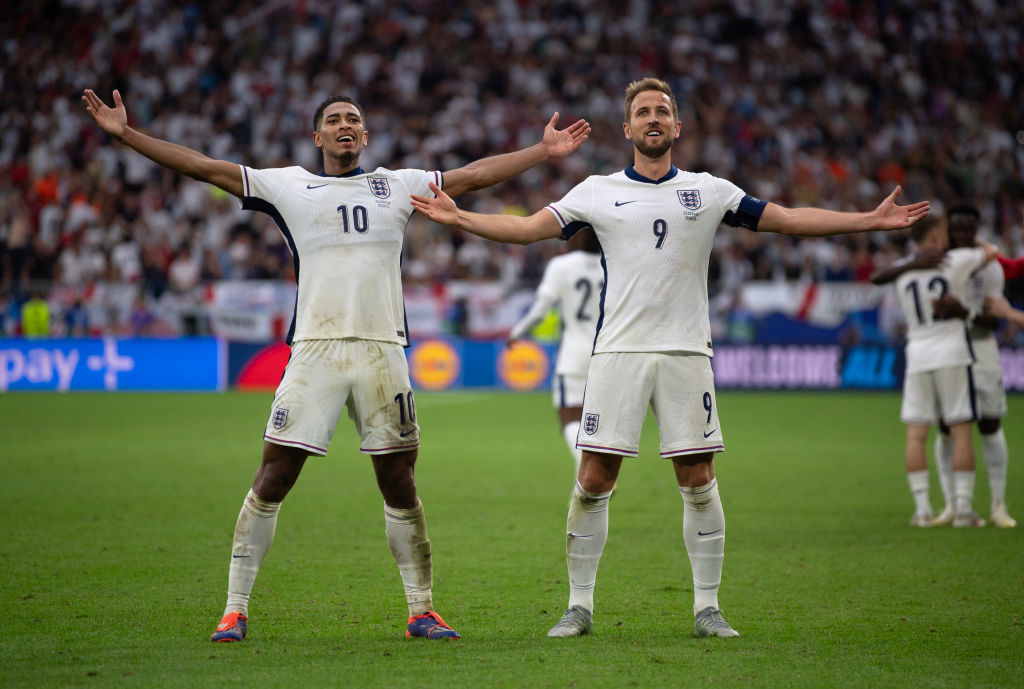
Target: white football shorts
(679, 388)
(371, 378)
(944, 394)
(567, 390)
(988, 379)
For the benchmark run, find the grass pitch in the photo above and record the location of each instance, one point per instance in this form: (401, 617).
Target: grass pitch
(118, 511)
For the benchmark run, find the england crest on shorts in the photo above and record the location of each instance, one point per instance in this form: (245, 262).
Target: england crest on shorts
(379, 186)
(690, 198)
(279, 418)
(590, 422)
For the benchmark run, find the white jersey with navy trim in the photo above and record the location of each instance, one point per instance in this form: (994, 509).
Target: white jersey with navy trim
(986, 282)
(934, 344)
(572, 282)
(345, 234)
(656, 238)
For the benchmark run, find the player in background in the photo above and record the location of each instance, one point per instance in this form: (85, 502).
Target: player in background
(345, 229)
(938, 386)
(656, 225)
(572, 283)
(987, 375)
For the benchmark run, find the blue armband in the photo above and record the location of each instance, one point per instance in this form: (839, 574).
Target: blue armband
(747, 215)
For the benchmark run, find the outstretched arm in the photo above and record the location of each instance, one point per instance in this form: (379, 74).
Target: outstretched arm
(511, 229)
(487, 171)
(1001, 308)
(819, 222)
(922, 260)
(114, 121)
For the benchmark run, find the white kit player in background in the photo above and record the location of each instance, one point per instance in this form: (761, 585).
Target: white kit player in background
(962, 222)
(938, 385)
(656, 225)
(345, 228)
(572, 284)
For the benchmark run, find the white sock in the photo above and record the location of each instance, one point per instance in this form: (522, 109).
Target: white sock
(963, 489)
(944, 465)
(254, 532)
(406, 530)
(586, 533)
(993, 449)
(570, 431)
(918, 481)
(704, 536)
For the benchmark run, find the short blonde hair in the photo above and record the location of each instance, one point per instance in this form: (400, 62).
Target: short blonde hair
(650, 84)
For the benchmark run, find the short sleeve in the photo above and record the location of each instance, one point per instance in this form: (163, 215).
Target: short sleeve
(416, 181)
(574, 209)
(265, 185)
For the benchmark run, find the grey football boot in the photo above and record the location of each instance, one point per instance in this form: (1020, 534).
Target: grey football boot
(576, 621)
(709, 622)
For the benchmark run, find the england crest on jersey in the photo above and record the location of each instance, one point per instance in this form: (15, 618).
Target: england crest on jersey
(379, 186)
(279, 418)
(590, 423)
(690, 198)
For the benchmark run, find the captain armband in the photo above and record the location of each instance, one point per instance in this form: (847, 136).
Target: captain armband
(747, 215)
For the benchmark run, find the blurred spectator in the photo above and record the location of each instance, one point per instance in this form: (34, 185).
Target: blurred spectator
(35, 317)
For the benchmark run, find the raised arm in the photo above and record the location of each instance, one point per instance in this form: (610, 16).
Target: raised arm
(114, 121)
(494, 169)
(510, 229)
(819, 222)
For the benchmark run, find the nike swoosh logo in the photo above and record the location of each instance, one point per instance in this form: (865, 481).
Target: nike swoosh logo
(238, 556)
(623, 203)
(402, 435)
(710, 433)
(315, 186)
(579, 535)
(709, 533)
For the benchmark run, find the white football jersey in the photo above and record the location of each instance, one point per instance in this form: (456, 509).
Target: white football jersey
(345, 234)
(572, 283)
(656, 238)
(989, 281)
(934, 344)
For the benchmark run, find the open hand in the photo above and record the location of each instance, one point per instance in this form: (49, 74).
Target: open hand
(113, 121)
(889, 216)
(440, 208)
(562, 142)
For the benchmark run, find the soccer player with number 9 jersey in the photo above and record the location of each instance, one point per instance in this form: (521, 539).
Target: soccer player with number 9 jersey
(656, 224)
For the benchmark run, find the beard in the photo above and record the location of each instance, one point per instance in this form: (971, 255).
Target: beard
(349, 158)
(653, 150)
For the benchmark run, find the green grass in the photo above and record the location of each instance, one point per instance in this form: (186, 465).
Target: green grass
(118, 511)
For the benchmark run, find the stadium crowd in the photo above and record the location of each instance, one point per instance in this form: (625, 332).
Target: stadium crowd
(828, 104)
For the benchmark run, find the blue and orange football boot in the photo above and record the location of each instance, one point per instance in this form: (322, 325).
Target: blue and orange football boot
(231, 628)
(429, 625)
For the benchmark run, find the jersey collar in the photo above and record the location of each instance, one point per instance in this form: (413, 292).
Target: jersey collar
(350, 173)
(637, 177)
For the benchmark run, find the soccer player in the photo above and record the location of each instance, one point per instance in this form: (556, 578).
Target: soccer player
(986, 372)
(656, 225)
(938, 385)
(345, 228)
(571, 283)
